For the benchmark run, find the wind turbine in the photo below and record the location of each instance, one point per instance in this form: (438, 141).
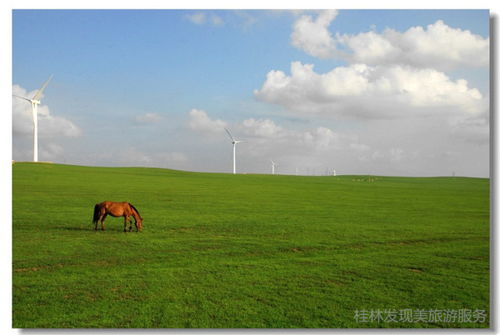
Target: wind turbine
(273, 165)
(35, 101)
(234, 148)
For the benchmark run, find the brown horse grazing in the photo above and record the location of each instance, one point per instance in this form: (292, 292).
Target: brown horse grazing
(116, 209)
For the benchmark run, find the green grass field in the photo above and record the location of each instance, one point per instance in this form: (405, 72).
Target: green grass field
(222, 250)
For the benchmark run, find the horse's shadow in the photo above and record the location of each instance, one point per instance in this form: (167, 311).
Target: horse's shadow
(74, 228)
(90, 228)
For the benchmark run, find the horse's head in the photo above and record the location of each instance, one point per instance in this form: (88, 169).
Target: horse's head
(138, 222)
(137, 217)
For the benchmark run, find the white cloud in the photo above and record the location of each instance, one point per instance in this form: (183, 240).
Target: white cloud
(51, 151)
(369, 48)
(263, 128)
(197, 18)
(51, 129)
(377, 155)
(405, 112)
(199, 121)
(246, 19)
(359, 146)
(437, 45)
(368, 92)
(265, 133)
(49, 125)
(321, 138)
(134, 156)
(313, 36)
(216, 20)
(397, 154)
(403, 146)
(148, 118)
(475, 129)
(201, 18)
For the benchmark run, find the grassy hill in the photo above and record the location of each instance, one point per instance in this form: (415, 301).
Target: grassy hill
(221, 250)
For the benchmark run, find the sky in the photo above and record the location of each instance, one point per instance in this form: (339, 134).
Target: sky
(384, 92)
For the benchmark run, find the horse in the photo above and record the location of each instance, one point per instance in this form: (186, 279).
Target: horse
(117, 209)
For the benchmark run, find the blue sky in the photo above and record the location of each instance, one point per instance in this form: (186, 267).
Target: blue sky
(148, 46)
(129, 80)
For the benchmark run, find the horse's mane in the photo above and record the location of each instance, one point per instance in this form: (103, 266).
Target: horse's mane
(135, 209)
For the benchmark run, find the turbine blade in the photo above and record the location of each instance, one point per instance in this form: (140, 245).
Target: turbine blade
(229, 133)
(20, 97)
(40, 91)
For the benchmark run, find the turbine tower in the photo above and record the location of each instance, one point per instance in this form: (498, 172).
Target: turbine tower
(35, 101)
(273, 165)
(234, 148)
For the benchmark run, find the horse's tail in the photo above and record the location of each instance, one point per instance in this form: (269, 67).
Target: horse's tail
(135, 209)
(96, 213)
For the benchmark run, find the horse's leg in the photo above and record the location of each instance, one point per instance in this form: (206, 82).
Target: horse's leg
(102, 221)
(101, 213)
(125, 221)
(98, 220)
(136, 226)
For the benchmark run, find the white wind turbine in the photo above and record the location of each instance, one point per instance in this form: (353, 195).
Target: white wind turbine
(234, 149)
(273, 165)
(35, 101)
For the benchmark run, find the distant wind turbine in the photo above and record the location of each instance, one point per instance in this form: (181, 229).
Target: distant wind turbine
(35, 101)
(273, 165)
(234, 148)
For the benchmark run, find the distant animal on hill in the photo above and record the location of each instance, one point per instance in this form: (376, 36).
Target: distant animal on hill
(117, 209)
